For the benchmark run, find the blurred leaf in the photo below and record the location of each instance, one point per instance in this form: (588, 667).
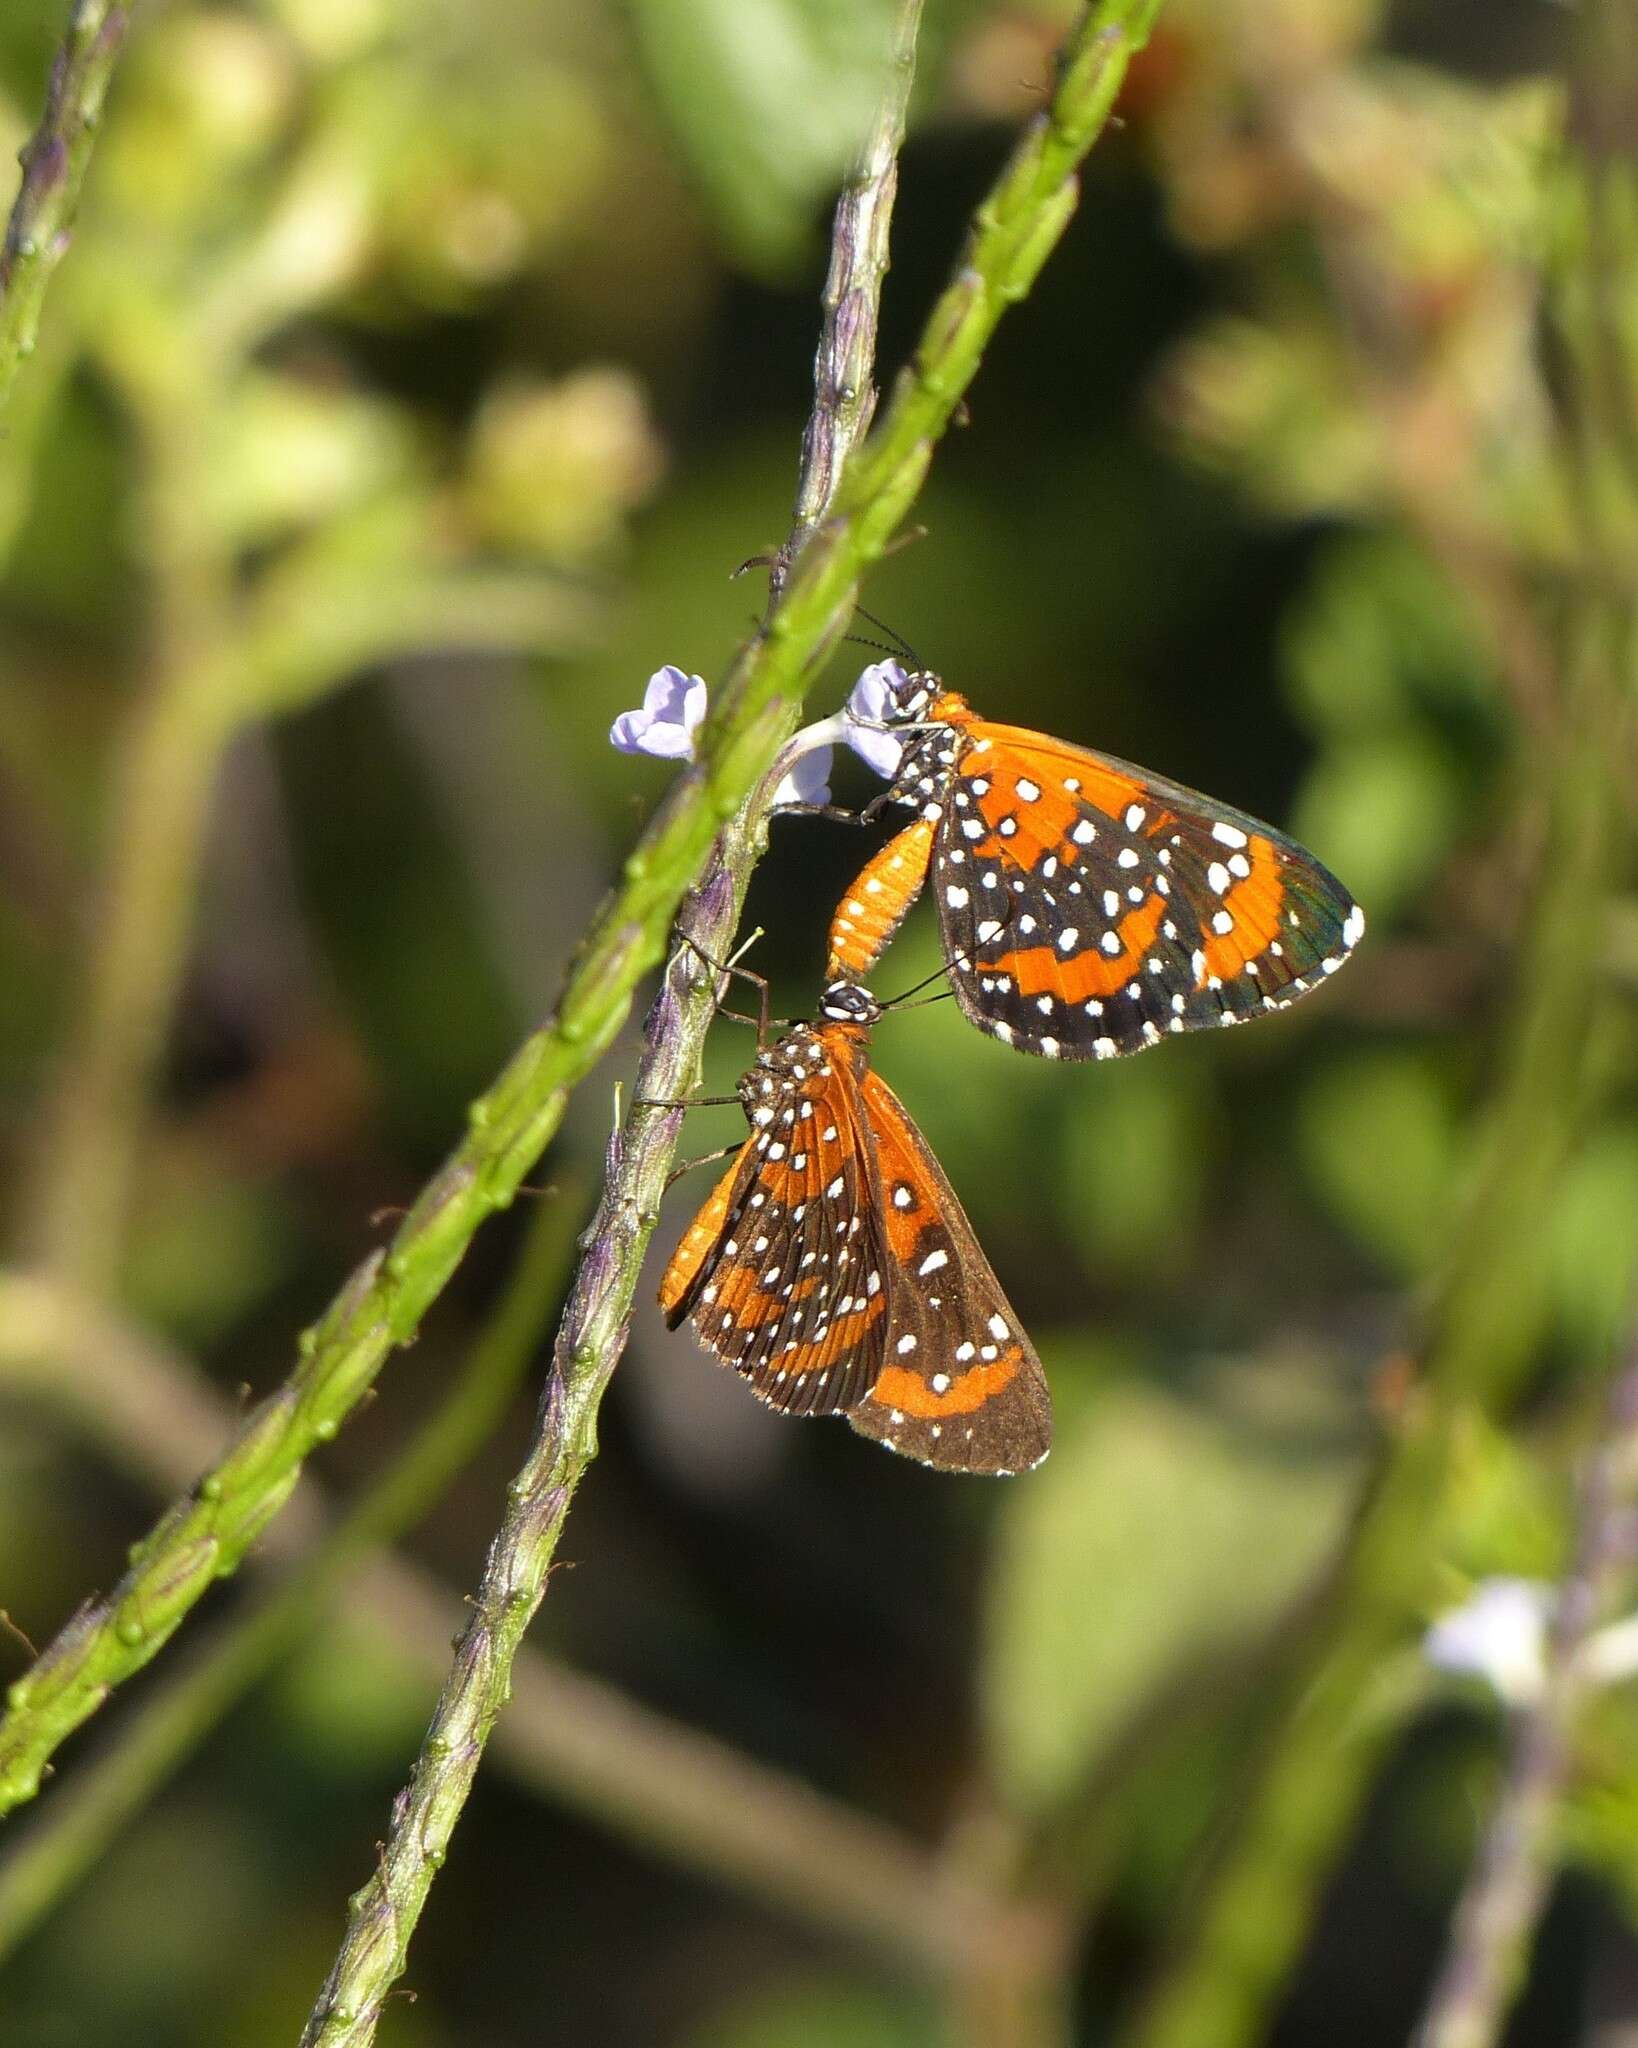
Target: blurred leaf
(1379, 1135)
(1274, 407)
(204, 1248)
(290, 452)
(833, 2012)
(1507, 1516)
(769, 100)
(354, 1706)
(1385, 811)
(1600, 1818)
(1593, 1230)
(1134, 1156)
(1155, 1533)
(555, 468)
(1379, 633)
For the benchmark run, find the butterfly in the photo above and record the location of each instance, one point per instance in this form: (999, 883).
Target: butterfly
(1087, 907)
(833, 1267)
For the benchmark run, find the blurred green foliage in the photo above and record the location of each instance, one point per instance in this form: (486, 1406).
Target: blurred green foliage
(416, 381)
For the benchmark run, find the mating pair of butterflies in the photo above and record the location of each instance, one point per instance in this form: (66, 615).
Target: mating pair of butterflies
(1087, 909)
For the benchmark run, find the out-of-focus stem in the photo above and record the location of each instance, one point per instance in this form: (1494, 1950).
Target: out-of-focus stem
(54, 168)
(1503, 1897)
(1484, 1324)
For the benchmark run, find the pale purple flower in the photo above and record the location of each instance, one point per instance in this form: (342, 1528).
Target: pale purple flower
(672, 711)
(1498, 1634)
(806, 780)
(871, 701)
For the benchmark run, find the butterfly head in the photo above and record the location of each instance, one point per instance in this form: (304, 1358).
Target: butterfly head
(910, 694)
(845, 1002)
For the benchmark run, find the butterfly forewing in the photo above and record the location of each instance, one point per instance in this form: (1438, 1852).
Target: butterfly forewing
(779, 1272)
(1089, 908)
(960, 1385)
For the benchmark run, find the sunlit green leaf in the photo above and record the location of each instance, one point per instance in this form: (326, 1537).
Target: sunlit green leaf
(1134, 1156)
(1156, 1532)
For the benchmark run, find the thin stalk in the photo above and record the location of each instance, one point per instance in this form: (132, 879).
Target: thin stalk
(76, 1828)
(1503, 1898)
(382, 1304)
(1319, 1754)
(1015, 229)
(668, 1789)
(74, 1219)
(54, 167)
(844, 364)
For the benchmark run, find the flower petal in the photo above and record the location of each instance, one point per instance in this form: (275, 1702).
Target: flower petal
(672, 711)
(869, 707)
(806, 781)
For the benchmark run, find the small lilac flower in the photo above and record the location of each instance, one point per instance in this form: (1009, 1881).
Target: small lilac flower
(871, 702)
(806, 780)
(1498, 1634)
(673, 710)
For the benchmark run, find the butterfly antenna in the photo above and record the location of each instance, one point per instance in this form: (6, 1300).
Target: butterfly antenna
(897, 1002)
(944, 995)
(902, 645)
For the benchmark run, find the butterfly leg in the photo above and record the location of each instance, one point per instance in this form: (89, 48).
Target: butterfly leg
(705, 1159)
(762, 1022)
(683, 1101)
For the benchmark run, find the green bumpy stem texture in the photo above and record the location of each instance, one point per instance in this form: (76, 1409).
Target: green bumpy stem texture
(54, 167)
(1011, 237)
(204, 1536)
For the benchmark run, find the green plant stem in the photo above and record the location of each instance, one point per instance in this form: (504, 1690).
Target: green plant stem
(669, 1789)
(54, 168)
(1321, 1751)
(1014, 230)
(382, 1304)
(1502, 1900)
(75, 1828)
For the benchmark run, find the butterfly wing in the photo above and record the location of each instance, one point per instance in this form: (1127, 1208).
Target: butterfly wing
(1088, 907)
(776, 1269)
(960, 1386)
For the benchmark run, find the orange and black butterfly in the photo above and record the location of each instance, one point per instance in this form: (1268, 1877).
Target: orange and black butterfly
(1087, 907)
(832, 1265)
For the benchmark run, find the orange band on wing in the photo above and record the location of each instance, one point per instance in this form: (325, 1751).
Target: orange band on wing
(697, 1240)
(877, 903)
(1088, 972)
(913, 1395)
(1255, 905)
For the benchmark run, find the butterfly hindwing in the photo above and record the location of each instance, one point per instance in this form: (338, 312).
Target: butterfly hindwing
(959, 1385)
(775, 1270)
(1089, 908)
